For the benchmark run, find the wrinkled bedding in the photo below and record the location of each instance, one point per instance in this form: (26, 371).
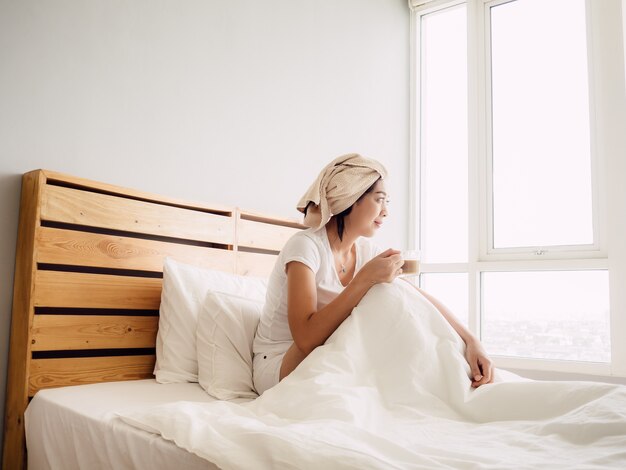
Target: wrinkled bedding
(391, 389)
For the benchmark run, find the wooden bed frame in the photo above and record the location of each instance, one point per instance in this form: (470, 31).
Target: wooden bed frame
(88, 274)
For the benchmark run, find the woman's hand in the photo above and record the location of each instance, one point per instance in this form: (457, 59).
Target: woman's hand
(480, 364)
(383, 268)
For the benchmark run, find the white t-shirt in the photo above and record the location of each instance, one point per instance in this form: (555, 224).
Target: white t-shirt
(311, 248)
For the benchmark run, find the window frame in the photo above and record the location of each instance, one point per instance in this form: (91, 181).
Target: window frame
(605, 186)
(597, 249)
(439, 6)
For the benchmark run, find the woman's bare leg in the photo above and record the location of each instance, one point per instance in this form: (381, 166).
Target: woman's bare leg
(292, 358)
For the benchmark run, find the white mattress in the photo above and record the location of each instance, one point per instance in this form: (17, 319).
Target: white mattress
(75, 427)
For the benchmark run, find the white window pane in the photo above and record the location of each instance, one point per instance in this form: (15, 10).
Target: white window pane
(549, 314)
(451, 289)
(540, 110)
(443, 158)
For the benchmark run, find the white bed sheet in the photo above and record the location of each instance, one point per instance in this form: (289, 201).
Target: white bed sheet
(75, 428)
(390, 389)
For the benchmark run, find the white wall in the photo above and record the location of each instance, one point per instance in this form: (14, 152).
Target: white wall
(238, 102)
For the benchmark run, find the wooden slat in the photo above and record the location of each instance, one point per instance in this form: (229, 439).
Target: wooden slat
(14, 453)
(69, 332)
(75, 206)
(255, 234)
(63, 289)
(129, 192)
(70, 247)
(48, 373)
(255, 264)
(271, 219)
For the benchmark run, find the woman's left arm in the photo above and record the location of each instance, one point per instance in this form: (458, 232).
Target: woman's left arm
(476, 356)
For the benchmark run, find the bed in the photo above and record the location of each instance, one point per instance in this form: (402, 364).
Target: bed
(88, 383)
(88, 280)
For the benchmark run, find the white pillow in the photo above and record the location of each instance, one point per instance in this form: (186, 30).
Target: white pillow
(184, 291)
(226, 329)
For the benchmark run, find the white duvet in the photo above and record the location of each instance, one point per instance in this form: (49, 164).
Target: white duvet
(391, 389)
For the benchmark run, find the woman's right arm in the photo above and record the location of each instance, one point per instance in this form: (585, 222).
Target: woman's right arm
(310, 327)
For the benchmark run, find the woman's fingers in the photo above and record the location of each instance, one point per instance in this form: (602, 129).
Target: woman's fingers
(476, 373)
(487, 373)
(398, 262)
(389, 252)
(391, 264)
(394, 260)
(487, 370)
(386, 266)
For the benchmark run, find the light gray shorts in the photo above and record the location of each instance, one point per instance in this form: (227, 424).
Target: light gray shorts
(266, 370)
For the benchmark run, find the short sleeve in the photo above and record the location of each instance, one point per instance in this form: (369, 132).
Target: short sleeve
(303, 249)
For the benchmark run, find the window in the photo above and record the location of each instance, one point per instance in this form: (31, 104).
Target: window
(540, 124)
(510, 110)
(444, 113)
(560, 315)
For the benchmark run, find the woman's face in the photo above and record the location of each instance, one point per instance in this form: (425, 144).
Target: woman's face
(367, 213)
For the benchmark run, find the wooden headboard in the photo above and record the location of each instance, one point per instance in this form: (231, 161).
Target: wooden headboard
(88, 275)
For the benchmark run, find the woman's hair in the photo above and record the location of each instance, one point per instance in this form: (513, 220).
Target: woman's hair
(340, 218)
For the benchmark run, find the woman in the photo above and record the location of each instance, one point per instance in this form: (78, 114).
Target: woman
(322, 273)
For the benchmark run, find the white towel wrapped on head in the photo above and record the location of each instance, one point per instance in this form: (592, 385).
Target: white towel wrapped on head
(339, 185)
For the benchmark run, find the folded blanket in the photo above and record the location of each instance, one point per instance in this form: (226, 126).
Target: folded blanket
(391, 389)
